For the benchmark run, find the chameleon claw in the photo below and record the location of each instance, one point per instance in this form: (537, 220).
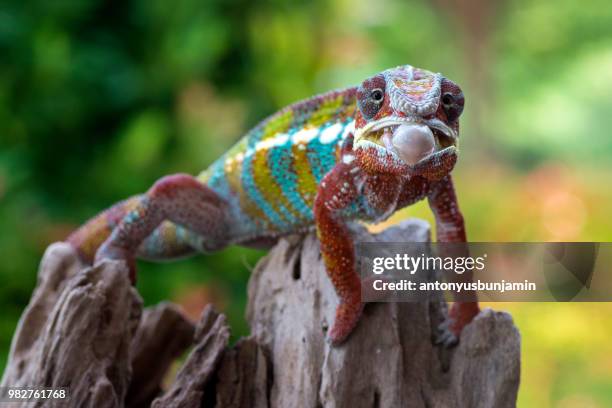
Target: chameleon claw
(444, 336)
(445, 325)
(460, 315)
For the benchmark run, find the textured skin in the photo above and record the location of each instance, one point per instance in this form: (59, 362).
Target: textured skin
(321, 162)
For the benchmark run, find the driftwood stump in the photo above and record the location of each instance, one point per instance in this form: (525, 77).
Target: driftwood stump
(85, 329)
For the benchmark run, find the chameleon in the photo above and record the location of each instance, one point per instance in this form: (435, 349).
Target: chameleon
(342, 156)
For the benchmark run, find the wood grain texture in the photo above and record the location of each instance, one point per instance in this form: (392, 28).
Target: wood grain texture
(163, 335)
(85, 329)
(390, 360)
(77, 331)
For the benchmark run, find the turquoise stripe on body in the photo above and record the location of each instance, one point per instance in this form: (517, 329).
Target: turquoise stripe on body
(251, 189)
(219, 183)
(322, 156)
(281, 166)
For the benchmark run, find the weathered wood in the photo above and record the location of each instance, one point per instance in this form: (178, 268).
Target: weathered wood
(244, 376)
(163, 335)
(77, 330)
(390, 360)
(198, 372)
(83, 330)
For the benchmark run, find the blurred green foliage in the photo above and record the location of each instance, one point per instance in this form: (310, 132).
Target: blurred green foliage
(99, 99)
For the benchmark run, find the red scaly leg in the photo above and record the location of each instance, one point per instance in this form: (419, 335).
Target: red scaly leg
(179, 198)
(335, 192)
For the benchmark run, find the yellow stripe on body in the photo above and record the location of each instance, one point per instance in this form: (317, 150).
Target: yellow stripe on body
(237, 149)
(94, 234)
(233, 174)
(270, 189)
(306, 182)
(280, 123)
(348, 111)
(168, 233)
(328, 109)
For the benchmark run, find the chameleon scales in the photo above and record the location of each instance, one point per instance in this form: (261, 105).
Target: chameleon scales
(355, 154)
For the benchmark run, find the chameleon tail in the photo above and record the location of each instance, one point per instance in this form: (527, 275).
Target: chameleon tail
(90, 236)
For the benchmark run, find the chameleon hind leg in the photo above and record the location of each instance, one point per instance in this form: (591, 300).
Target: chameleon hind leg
(179, 200)
(168, 241)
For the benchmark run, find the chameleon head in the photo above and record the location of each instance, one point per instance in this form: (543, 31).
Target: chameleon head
(407, 123)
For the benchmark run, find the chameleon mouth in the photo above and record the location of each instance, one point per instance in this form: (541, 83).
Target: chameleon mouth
(407, 142)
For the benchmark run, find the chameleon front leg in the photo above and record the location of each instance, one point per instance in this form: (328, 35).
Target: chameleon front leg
(336, 191)
(450, 228)
(179, 198)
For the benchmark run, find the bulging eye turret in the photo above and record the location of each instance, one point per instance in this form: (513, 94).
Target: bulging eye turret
(452, 100)
(370, 96)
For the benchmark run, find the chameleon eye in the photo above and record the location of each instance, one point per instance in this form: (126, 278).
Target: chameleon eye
(452, 100)
(370, 96)
(448, 99)
(377, 95)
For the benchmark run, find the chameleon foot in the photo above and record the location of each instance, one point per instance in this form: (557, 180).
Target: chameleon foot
(460, 315)
(445, 336)
(347, 317)
(109, 251)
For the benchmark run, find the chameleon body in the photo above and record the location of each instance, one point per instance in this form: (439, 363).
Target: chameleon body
(271, 176)
(321, 163)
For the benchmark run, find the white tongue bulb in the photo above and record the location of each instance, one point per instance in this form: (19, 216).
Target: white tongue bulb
(413, 142)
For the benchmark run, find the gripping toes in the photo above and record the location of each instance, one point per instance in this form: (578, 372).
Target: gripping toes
(444, 335)
(460, 315)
